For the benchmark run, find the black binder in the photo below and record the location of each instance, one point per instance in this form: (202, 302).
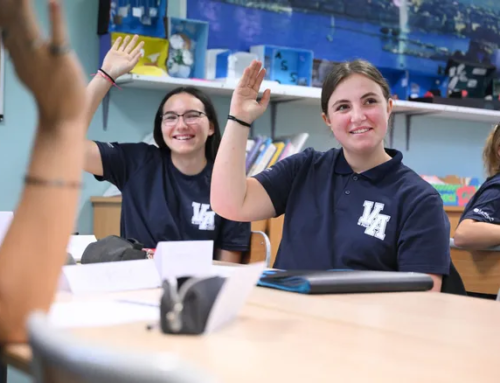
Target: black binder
(345, 281)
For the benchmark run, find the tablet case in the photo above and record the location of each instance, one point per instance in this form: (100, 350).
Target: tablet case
(345, 281)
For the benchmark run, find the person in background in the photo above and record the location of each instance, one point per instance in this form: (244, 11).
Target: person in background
(479, 225)
(34, 248)
(357, 207)
(165, 188)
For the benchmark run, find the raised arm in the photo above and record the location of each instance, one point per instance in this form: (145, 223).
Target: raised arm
(120, 59)
(34, 249)
(233, 195)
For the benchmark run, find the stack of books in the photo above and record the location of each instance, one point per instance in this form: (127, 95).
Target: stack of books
(263, 152)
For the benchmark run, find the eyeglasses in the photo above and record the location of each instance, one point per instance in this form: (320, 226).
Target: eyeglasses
(190, 117)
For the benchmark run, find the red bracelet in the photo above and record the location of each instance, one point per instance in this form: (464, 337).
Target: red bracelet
(107, 77)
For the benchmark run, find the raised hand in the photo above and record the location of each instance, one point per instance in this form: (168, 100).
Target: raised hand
(123, 56)
(244, 105)
(48, 68)
(10, 11)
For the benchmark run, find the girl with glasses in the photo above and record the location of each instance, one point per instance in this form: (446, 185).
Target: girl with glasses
(165, 188)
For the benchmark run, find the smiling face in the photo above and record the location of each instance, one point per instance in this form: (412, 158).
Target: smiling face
(358, 114)
(187, 134)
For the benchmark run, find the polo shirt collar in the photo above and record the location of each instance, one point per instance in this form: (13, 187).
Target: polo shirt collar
(374, 174)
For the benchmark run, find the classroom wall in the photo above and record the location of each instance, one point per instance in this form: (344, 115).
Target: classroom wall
(130, 114)
(438, 146)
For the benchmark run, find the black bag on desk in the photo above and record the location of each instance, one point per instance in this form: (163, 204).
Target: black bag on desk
(112, 249)
(186, 305)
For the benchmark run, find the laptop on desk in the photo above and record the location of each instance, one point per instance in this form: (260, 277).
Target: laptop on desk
(345, 281)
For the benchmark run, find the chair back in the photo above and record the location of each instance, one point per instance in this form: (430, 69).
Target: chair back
(59, 357)
(260, 249)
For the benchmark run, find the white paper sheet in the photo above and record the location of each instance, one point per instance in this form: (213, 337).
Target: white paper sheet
(100, 313)
(233, 295)
(184, 258)
(110, 277)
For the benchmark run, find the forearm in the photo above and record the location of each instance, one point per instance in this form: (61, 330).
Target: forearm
(42, 224)
(96, 90)
(229, 181)
(477, 235)
(438, 282)
(229, 256)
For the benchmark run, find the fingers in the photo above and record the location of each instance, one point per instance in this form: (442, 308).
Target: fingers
(254, 71)
(259, 79)
(124, 44)
(243, 83)
(131, 44)
(266, 97)
(116, 44)
(58, 27)
(251, 75)
(136, 53)
(28, 25)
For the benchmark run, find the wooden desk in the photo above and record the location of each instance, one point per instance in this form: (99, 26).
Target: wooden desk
(394, 337)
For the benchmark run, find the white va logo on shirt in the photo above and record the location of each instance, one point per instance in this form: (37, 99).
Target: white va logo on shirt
(374, 222)
(202, 217)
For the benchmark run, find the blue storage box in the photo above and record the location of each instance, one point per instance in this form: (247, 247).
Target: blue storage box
(286, 65)
(188, 40)
(141, 17)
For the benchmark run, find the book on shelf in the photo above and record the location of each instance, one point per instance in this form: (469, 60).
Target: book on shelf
(263, 152)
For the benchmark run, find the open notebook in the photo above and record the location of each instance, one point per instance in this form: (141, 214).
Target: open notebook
(344, 281)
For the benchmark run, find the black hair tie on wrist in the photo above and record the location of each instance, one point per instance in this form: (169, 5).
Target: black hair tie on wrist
(239, 121)
(107, 75)
(58, 183)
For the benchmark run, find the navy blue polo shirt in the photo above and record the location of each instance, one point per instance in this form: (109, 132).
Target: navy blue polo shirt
(484, 206)
(159, 203)
(387, 218)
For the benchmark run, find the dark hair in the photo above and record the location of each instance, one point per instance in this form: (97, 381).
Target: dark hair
(213, 141)
(491, 158)
(343, 70)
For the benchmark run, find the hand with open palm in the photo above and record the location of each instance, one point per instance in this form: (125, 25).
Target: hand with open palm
(11, 12)
(244, 104)
(123, 56)
(47, 68)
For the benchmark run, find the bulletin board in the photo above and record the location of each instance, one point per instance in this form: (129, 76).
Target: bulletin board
(414, 35)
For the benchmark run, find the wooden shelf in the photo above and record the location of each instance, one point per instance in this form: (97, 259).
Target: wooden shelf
(306, 96)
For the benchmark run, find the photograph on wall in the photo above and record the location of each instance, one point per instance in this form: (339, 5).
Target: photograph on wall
(2, 79)
(415, 35)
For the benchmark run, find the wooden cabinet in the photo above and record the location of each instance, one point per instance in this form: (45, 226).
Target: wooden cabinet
(107, 211)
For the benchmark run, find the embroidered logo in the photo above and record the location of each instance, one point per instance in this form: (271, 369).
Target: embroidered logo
(484, 214)
(374, 222)
(202, 217)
